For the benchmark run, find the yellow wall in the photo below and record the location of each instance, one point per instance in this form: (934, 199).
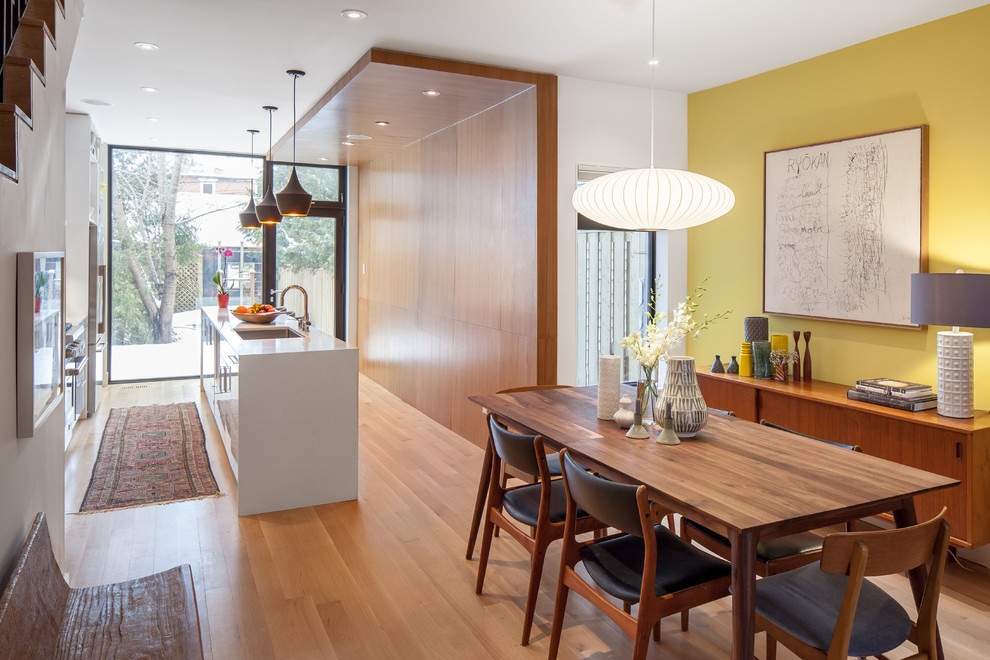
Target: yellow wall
(936, 74)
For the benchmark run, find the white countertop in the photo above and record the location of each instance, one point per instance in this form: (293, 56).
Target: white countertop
(312, 340)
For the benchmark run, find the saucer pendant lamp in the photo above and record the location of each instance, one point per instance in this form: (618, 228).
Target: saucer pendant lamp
(293, 200)
(654, 198)
(249, 216)
(267, 208)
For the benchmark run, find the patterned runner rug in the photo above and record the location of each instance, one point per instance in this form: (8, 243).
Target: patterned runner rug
(150, 455)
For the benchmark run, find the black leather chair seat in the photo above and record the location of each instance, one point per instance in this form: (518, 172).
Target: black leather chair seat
(785, 546)
(523, 503)
(617, 565)
(805, 602)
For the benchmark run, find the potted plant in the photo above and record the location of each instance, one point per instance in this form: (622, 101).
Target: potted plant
(220, 282)
(40, 282)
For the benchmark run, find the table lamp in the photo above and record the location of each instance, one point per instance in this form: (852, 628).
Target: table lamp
(953, 299)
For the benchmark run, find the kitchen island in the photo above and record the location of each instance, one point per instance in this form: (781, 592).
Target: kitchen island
(285, 402)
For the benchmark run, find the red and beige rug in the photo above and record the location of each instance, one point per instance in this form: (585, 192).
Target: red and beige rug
(150, 455)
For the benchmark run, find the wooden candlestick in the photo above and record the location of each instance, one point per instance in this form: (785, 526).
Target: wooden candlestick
(807, 355)
(797, 351)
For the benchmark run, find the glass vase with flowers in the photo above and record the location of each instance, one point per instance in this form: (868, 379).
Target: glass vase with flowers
(653, 344)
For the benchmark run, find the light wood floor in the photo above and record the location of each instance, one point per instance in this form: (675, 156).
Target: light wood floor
(383, 577)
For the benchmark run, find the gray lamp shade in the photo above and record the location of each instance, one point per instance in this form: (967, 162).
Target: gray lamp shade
(952, 299)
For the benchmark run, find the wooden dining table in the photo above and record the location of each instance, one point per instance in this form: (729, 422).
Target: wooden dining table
(750, 481)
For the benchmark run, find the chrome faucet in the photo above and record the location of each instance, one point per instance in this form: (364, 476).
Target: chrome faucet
(304, 320)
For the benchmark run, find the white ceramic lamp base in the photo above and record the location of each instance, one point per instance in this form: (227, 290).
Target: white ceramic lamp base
(955, 374)
(609, 367)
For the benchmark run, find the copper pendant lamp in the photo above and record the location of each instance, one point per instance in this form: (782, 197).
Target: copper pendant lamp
(267, 208)
(294, 200)
(249, 216)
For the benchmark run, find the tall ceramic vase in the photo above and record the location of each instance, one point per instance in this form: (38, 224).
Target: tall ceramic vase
(688, 409)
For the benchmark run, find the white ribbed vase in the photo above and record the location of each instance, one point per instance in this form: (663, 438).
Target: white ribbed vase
(680, 388)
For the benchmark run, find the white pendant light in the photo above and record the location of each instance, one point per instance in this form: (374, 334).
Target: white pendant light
(654, 198)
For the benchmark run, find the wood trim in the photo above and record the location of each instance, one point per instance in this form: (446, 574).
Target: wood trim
(546, 230)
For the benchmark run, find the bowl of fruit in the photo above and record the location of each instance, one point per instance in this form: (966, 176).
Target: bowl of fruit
(255, 313)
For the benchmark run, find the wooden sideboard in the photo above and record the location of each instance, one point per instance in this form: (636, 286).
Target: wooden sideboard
(957, 448)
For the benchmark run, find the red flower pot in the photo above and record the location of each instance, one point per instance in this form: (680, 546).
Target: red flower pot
(222, 300)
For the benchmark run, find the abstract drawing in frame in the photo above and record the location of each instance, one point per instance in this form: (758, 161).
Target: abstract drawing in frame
(845, 227)
(40, 338)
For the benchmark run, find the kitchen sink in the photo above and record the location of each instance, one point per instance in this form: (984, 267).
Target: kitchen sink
(276, 332)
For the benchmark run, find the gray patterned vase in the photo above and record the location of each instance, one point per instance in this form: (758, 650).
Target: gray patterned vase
(680, 388)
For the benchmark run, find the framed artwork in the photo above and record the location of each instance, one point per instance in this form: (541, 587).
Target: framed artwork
(40, 338)
(844, 227)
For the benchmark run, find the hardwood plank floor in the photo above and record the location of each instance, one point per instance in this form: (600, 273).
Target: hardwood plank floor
(383, 577)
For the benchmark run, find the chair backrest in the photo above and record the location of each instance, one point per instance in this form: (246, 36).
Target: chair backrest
(805, 435)
(612, 503)
(888, 550)
(517, 450)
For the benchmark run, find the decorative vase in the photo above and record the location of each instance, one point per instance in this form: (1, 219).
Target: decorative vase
(608, 385)
(761, 360)
(624, 416)
(756, 328)
(222, 300)
(806, 372)
(797, 355)
(780, 372)
(746, 360)
(646, 393)
(717, 366)
(688, 410)
(733, 367)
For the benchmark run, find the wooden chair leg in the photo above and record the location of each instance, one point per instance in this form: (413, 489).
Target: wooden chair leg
(771, 648)
(504, 481)
(558, 618)
(486, 546)
(535, 574)
(656, 631)
(685, 619)
(641, 640)
(480, 498)
(627, 607)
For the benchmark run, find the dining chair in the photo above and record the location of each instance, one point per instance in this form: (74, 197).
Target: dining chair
(486, 470)
(830, 610)
(541, 506)
(642, 563)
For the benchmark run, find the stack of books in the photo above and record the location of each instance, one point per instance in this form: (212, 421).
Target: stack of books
(894, 393)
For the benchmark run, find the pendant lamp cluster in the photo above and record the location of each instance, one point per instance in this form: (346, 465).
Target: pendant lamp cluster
(293, 201)
(653, 199)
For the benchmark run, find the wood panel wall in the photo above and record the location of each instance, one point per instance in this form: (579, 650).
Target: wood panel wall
(453, 263)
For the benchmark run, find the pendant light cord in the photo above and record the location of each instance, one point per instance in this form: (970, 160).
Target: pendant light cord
(294, 79)
(653, 74)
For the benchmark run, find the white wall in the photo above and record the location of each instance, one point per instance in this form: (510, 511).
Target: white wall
(32, 218)
(609, 125)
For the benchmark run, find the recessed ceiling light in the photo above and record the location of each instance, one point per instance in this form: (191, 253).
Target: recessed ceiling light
(322, 158)
(347, 144)
(354, 14)
(154, 139)
(150, 90)
(152, 118)
(381, 123)
(358, 137)
(145, 45)
(652, 62)
(431, 92)
(99, 102)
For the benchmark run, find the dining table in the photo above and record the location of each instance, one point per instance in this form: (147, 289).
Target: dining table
(750, 481)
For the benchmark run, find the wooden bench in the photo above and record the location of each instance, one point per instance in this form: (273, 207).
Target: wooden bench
(42, 617)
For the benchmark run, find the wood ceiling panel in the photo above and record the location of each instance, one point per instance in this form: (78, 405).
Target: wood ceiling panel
(386, 86)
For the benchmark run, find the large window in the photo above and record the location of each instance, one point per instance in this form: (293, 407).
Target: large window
(174, 224)
(615, 276)
(309, 251)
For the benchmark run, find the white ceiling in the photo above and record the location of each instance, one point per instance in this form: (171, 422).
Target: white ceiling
(221, 60)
